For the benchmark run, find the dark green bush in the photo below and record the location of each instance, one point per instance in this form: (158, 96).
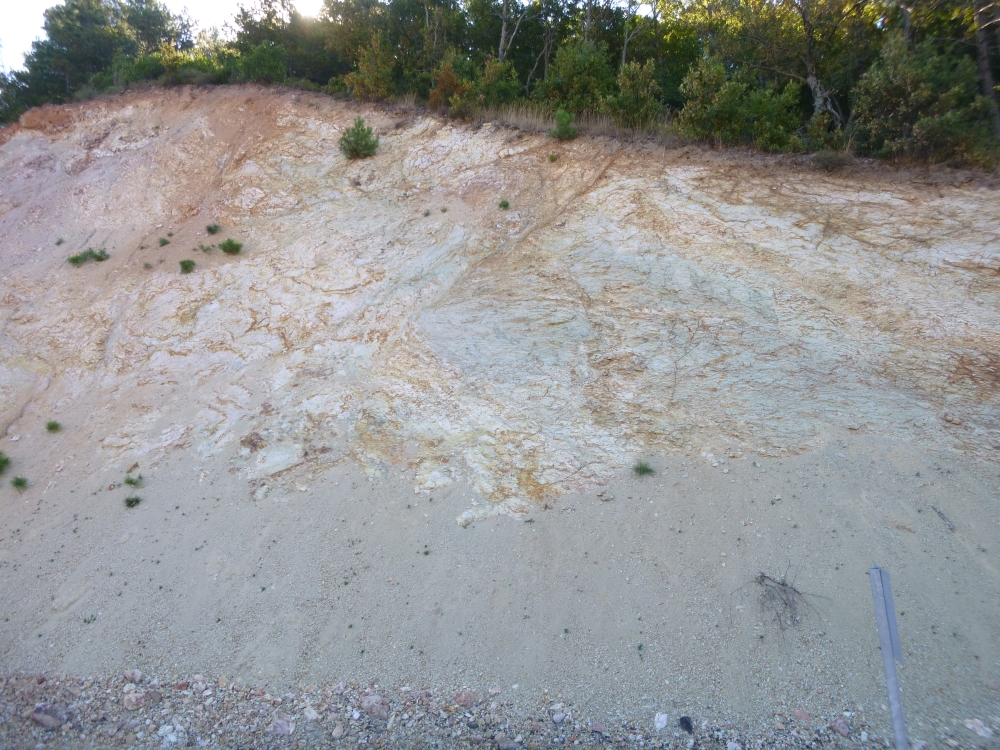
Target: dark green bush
(89, 254)
(53, 426)
(164, 241)
(19, 483)
(732, 112)
(213, 229)
(357, 142)
(504, 204)
(4, 462)
(580, 78)
(636, 105)
(924, 103)
(187, 266)
(231, 247)
(131, 502)
(564, 126)
(264, 63)
(372, 80)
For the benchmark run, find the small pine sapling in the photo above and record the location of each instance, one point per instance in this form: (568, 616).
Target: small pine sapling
(564, 126)
(643, 469)
(19, 483)
(53, 426)
(187, 266)
(164, 241)
(131, 502)
(504, 204)
(358, 142)
(213, 229)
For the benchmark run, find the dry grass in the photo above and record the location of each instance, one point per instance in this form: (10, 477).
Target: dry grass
(779, 598)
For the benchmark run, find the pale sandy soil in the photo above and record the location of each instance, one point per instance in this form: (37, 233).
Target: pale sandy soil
(313, 416)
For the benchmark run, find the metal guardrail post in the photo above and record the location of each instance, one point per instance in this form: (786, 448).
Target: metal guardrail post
(888, 640)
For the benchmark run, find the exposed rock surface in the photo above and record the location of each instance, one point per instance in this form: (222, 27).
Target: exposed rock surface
(629, 300)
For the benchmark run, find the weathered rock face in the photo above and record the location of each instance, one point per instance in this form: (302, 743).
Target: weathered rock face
(631, 299)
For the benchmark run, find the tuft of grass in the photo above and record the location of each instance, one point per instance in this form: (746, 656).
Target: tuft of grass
(187, 266)
(53, 426)
(553, 156)
(147, 266)
(444, 209)
(504, 204)
(59, 241)
(4, 462)
(134, 481)
(164, 241)
(132, 501)
(231, 247)
(89, 254)
(642, 469)
(427, 212)
(213, 229)
(206, 248)
(170, 234)
(19, 483)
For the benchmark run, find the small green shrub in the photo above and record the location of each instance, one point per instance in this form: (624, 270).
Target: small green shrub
(164, 241)
(59, 241)
(147, 265)
(231, 247)
(504, 204)
(213, 229)
(19, 483)
(4, 462)
(553, 157)
(830, 161)
(131, 502)
(564, 126)
(427, 212)
(89, 254)
(357, 142)
(444, 209)
(187, 266)
(642, 469)
(636, 105)
(53, 426)
(206, 248)
(134, 481)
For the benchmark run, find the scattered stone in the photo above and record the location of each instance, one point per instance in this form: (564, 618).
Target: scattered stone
(685, 723)
(800, 715)
(134, 699)
(338, 731)
(310, 714)
(154, 697)
(840, 726)
(465, 699)
(558, 718)
(975, 725)
(281, 726)
(374, 705)
(597, 728)
(132, 675)
(730, 745)
(51, 716)
(660, 722)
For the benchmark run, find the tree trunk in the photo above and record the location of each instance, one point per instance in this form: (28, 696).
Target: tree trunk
(587, 22)
(983, 58)
(502, 52)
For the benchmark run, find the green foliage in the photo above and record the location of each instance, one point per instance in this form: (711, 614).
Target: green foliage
(213, 229)
(19, 483)
(504, 204)
(372, 80)
(498, 84)
(60, 241)
(231, 247)
(636, 105)
(89, 254)
(924, 103)
(733, 112)
(553, 157)
(264, 63)
(4, 462)
(53, 426)
(131, 502)
(164, 241)
(134, 481)
(357, 142)
(564, 130)
(187, 266)
(642, 469)
(449, 87)
(580, 78)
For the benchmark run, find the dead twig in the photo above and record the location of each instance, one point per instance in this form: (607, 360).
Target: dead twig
(951, 526)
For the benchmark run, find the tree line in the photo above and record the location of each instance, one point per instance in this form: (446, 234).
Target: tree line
(890, 78)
